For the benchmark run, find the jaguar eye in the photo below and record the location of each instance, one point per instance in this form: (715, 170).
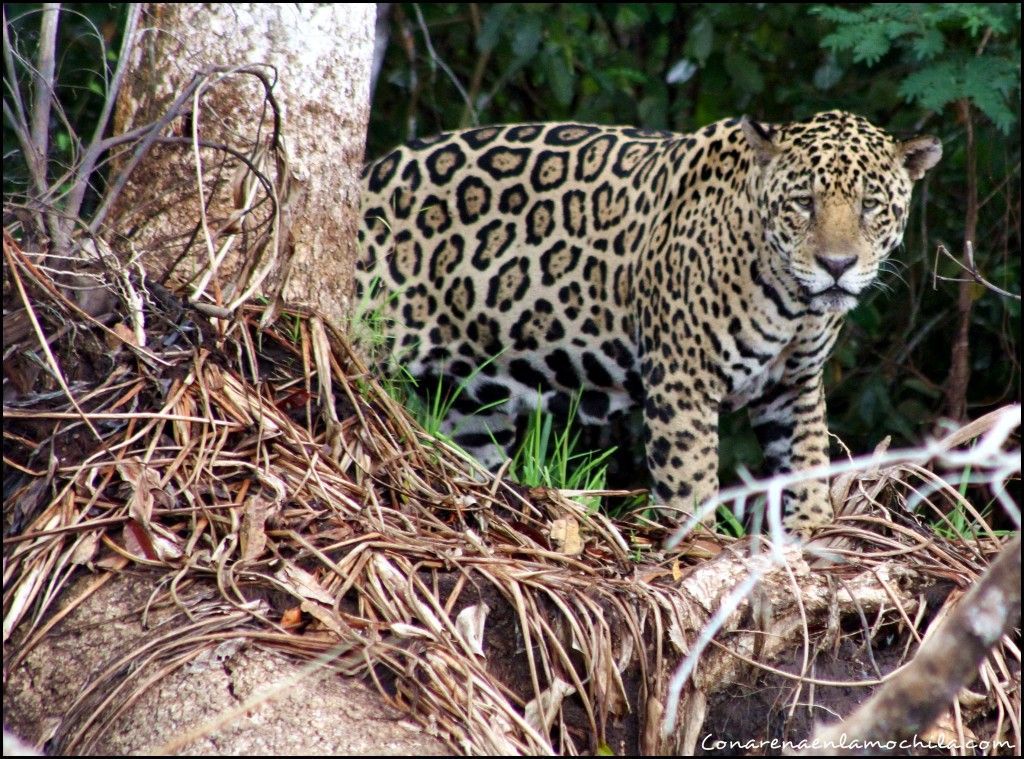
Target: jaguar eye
(870, 204)
(803, 202)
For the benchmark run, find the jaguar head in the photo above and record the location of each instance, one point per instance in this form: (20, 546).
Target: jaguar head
(833, 194)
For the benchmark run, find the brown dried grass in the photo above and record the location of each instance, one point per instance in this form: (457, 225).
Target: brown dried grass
(269, 465)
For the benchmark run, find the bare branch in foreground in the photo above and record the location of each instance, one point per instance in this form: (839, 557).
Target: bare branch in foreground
(43, 83)
(971, 268)
(908, 703)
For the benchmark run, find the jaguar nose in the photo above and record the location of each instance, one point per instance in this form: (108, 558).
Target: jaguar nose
(836, 266)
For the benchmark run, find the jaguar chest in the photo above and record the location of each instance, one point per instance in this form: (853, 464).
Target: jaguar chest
(750, 385)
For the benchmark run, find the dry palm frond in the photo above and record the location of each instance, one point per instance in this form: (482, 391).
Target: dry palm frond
(269, 465)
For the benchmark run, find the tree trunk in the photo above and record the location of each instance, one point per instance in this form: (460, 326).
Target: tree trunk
(960, 357)
(207, 222)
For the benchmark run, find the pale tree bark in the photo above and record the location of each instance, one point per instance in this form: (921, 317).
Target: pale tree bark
(309, 141)
(189, 201)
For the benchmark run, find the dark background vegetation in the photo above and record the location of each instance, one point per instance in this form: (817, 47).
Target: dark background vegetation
(907, 67)
(911, 68)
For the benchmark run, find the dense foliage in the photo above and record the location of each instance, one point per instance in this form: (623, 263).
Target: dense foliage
(907, 67)
(912, 68)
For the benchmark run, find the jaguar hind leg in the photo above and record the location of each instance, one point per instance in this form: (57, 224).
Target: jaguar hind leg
(488, 436)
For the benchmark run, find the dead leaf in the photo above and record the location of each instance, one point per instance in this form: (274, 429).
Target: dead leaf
(122, 334)
(136, 541)
(650, 742)
(252, 536)
(291, 618)
(322, 615)
(112, 561)
(692, 711)
(147, 492)
(565, 534)
(610, 688)
(677, 573)
(470, 624)
(541, 711)
(404, 630)
(398, 584)
(700, 548)
(303, 584)
(143, 480)
(85, 550)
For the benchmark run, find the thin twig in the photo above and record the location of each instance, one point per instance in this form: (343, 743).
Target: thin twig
(98, 145)
(153, 132)
(436, 60)
(969, 266)
(55, 370)
(43, 82)
(14, 111)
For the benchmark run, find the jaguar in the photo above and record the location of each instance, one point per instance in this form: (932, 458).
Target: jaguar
(680, 274)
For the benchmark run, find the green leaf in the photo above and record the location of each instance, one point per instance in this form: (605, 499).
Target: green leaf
(932, 87)
(527, 37)
(629, 16)
(627, 74)
(492, 27)
(838, 15)
(924, 388)
(561, 77)
(700, 40)
(744, 72)
(914, 412)
(828, 74)
(929, 44)
(665, 12)
(986, 81)
(868, 43)
(653, 111)
(867, 317)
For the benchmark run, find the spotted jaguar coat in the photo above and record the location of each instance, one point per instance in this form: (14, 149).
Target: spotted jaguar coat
(682, 273)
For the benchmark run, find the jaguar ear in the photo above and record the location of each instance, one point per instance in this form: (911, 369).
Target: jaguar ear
(760, 139)
(920, 154)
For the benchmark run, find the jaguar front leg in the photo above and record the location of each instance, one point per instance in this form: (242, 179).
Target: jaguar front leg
(789, 421)
(681, 437)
